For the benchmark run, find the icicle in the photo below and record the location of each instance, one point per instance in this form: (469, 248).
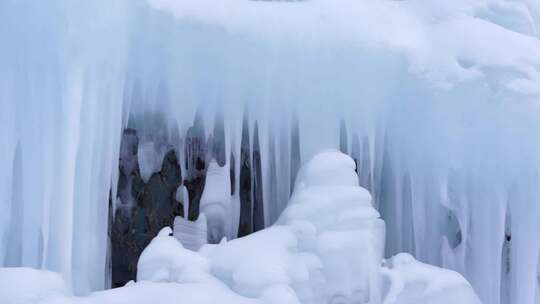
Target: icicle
(218, 145)
(365, 174)
(295, 149)
(506, 261)
(195, 153)
(356, 154)
(273, 201)
(246, 213)
(343, 137)
(258, 204)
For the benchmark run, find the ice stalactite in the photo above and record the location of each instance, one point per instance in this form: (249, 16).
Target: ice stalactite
(451, 229)
(355, 153)
(388, 205)
(258, 203)
(196, 157)
(219, 152)
(506, 261)
(284, 156)
(232, 172)
(454, 111)
(272, 193)
(343, 137)
(295, 160)
(366, 167)
(408, 242)
(246, 207)
(13, 254)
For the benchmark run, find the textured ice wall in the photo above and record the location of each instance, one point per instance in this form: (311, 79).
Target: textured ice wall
(62, 68)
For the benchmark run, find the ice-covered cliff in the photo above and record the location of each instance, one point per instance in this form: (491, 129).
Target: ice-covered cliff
(439, 102)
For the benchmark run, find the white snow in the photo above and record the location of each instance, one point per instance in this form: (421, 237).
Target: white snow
(27, 285)
(436, 38)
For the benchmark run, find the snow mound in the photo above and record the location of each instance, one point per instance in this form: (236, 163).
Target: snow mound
(27, 285)
(165, 260)
(413, 282)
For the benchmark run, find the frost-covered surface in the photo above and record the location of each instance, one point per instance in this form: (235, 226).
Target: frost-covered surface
(327, 247)
(441, 96)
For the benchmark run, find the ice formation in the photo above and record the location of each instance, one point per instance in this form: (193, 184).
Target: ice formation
(192, 234)
(216, 203)
(438, 104)
(327, 247)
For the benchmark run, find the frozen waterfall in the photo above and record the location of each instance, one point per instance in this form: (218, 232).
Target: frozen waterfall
(108, 107)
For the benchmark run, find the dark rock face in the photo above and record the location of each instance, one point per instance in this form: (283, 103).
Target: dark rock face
(258, 204)
(246, 217)
(143, 208)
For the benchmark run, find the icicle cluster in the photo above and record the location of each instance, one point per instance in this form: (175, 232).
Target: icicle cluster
(440, 108)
